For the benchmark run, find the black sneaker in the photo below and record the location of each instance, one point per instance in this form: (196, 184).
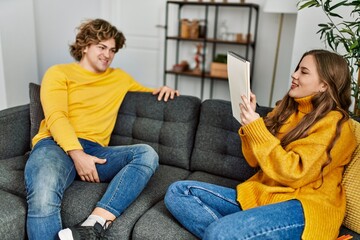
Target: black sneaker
(78, 232)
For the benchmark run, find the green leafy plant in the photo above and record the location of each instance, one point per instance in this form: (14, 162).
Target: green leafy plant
(342, 36)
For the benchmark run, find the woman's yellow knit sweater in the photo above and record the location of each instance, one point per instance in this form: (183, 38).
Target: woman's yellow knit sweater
(294, 172)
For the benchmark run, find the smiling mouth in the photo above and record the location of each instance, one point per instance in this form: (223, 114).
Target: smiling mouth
(104, 61)
(294, 85)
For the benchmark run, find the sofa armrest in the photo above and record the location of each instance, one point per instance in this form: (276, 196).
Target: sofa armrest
(14, 131)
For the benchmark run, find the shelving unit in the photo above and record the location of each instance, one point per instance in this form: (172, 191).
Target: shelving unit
(210, 44)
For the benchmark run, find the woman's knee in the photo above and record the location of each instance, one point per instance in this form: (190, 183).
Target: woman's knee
(176, 190)
(172, 194)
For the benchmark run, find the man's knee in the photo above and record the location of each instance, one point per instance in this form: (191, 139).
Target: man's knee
(43, 201)
(150, 156)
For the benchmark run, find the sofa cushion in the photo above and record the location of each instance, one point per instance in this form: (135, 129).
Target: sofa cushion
(169, 127)
(351, 181)
(14, 131)
(12, 175)
(12, 216)
(159, 217)
(158, 223)
(81, 197)
(217, 147)
(36, 112)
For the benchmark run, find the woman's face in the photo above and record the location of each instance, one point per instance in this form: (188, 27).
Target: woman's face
(306, 80)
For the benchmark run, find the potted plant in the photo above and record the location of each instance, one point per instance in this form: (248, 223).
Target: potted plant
(342, 36)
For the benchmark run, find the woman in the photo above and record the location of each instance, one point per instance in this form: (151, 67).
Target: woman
(301, 148)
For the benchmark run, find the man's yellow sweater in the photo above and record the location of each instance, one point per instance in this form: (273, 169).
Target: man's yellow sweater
(295, 172)
(81, 104)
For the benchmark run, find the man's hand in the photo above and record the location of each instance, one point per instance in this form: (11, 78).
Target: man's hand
(165, 92)
(85, 165)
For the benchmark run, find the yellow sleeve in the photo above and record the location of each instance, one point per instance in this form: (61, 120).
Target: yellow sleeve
(256, 135)
(299, 163)
(54, 95)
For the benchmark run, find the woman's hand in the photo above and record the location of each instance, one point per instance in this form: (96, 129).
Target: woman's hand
(247, 108)
(165, 92)
(85, 165)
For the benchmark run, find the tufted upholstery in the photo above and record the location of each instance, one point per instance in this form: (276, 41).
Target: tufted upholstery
(168, 127)
(217, 147)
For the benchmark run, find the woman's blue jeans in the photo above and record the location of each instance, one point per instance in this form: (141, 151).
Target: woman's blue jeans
(49, 171)
(211, 212)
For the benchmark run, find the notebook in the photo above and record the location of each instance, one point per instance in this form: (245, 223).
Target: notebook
(239, 81)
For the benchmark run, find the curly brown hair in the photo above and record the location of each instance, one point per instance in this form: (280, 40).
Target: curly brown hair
(93, 32)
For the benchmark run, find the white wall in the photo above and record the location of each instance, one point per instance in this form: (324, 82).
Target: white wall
(306, 28)
(305, 33)
(55, 28)
(265, 56)
(49, 26)
(53, 49)
(2, 81)
(18, 49)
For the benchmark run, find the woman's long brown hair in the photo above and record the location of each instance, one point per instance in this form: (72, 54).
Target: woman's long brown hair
(334, 71)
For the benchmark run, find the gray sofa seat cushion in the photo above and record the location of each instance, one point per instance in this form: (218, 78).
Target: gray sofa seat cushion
(80, 199)
(158, 223)
(14, 132)
(12, 175)
(169, 127)
(213, 179)
(12, 216)
(159, 217)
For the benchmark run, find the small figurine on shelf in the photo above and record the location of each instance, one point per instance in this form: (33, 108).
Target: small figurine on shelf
(183, 66)
(198, 58)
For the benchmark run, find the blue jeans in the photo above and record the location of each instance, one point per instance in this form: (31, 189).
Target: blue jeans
(211, 212)
(49, 171)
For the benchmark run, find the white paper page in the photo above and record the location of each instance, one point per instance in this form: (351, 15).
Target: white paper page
(239, 81)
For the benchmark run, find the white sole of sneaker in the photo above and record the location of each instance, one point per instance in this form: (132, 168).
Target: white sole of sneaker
(65, 234)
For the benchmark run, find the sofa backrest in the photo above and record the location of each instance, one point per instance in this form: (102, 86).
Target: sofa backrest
(169, 127)
(217, 147)
(14, 132)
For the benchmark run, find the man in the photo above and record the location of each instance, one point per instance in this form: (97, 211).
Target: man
(80, 102)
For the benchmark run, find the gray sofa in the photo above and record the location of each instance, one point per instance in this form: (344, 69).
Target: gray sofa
(195, 140)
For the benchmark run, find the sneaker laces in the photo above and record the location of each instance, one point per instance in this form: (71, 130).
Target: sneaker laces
(102, 232)
(97, 231)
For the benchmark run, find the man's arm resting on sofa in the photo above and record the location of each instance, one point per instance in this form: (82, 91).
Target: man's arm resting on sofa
(14, 131)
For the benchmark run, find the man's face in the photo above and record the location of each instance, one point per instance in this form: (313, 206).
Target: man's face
(98, 57)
